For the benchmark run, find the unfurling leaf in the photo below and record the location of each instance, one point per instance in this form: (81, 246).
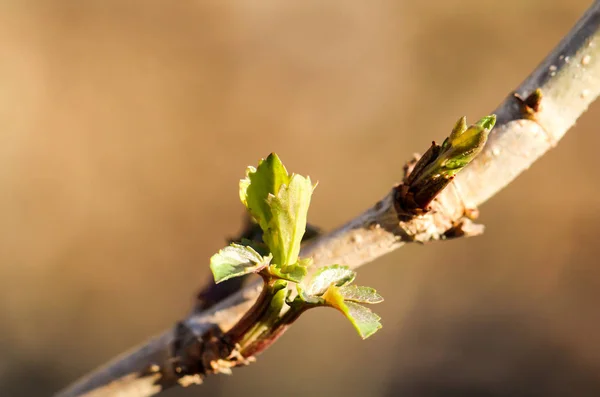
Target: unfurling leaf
(436, 168)
(464, 144)
(363, 319)
(279, 203)
(295, 272)
(326, 276)
(306, 298)
(354, 293)
(259, 183)
(277, 301)
(459, 128)
(290, 209)
(236, 260)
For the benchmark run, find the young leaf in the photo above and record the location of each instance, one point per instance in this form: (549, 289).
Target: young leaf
(306, 298)
(261, 182)
(456, 152)
(289, 209)
(236, 260)
(277, 303)
(293, 273)
(354, 293)
(464, 144)
(363, 319)
(334, 274)
(459, 128)
(279, 203)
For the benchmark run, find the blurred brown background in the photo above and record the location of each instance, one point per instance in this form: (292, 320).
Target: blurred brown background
(125, 126)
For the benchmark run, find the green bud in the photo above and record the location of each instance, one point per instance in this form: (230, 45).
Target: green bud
(459, 128)
(434, 171)
(462, 148)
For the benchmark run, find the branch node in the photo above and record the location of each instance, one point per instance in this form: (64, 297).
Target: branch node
(464, 227)
(437, 167)
(193, 357)
(413, 196)
(404, 198)
(531, 105)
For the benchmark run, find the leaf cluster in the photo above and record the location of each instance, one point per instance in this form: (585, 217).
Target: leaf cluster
(278, 202)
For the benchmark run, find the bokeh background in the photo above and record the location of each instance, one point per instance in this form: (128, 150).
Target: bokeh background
(125, 126)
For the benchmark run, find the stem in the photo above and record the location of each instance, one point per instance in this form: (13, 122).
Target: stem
(253, 316)
(264, 319)
(274, 331)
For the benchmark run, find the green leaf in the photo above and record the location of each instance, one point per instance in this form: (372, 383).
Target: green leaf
(295, 272)
(277, 303)
(290, 209)
(279, 203)
(358, 294)
(261, 182)
(236, 260)
(363, 319)
(326, 276)
(304, 297)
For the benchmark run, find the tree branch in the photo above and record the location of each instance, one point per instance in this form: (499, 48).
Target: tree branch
(528, 125)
